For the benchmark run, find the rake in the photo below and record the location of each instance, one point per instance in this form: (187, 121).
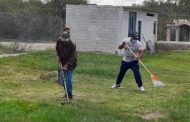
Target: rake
(156, 82)
(61, 80)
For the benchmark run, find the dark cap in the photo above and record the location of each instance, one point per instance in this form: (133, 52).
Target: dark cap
(66, 28)
(65, 35)
(134, 35)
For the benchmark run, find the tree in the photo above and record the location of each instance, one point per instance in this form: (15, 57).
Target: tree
(33, 7)
(20, 6)
(58, 7)
(11, 5)
(185, 6)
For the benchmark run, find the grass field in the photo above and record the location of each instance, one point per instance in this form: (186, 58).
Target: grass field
(29, 93)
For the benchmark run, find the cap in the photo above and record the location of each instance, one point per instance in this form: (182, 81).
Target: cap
(65, 35)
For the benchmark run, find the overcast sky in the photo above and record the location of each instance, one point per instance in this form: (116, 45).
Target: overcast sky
(116, 2)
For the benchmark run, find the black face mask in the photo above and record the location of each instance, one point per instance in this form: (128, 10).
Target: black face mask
(135, 38)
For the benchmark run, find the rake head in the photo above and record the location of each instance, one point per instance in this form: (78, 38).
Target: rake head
(156, 82)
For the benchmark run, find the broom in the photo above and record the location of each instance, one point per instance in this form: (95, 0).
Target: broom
(156, 82)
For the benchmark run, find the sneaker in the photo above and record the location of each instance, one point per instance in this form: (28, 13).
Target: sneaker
(115, 86)
(141, 89)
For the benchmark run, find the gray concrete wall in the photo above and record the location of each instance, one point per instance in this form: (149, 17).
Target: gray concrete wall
(95, 28)
(102, 28)
(172, 46)
(147, 25)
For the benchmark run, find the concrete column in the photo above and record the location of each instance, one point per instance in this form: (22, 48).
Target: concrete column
(168, 34)
(177, 34)
(156, 32)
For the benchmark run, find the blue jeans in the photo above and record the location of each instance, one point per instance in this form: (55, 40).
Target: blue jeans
(68, 80)
(134, 66)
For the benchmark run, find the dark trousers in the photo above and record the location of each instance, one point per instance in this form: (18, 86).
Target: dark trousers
(134, 66)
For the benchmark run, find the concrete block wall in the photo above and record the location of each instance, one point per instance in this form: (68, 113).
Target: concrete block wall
(171, 46)
(95, 28)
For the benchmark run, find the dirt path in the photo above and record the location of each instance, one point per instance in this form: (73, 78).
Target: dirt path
(31, 46)
(35, 46)
(7, 55)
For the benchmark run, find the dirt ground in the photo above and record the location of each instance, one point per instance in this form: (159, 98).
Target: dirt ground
(30, 46)
(35, 46)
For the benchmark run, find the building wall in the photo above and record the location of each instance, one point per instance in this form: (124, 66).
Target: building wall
(125, 24)
(102, 28)
(147, 23)
(172, 46)
(94, 28)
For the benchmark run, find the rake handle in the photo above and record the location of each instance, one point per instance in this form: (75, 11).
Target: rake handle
(139, 60)
(65, 85)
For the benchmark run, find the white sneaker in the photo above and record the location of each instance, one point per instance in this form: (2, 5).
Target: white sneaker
(141, 89)
(115, 86)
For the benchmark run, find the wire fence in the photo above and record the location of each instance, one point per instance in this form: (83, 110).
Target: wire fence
(30, 27)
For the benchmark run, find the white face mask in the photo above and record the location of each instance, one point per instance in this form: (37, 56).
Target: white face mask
(63, 39)
(133, 41)
(67, 40)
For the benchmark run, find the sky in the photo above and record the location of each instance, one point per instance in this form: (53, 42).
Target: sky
(116, 2)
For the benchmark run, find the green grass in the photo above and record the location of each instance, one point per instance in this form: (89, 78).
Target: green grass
(29, 93)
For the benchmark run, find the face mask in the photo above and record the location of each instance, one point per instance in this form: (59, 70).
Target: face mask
(67, 40)
(64, 39)
(133, 41)
(135, 38)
